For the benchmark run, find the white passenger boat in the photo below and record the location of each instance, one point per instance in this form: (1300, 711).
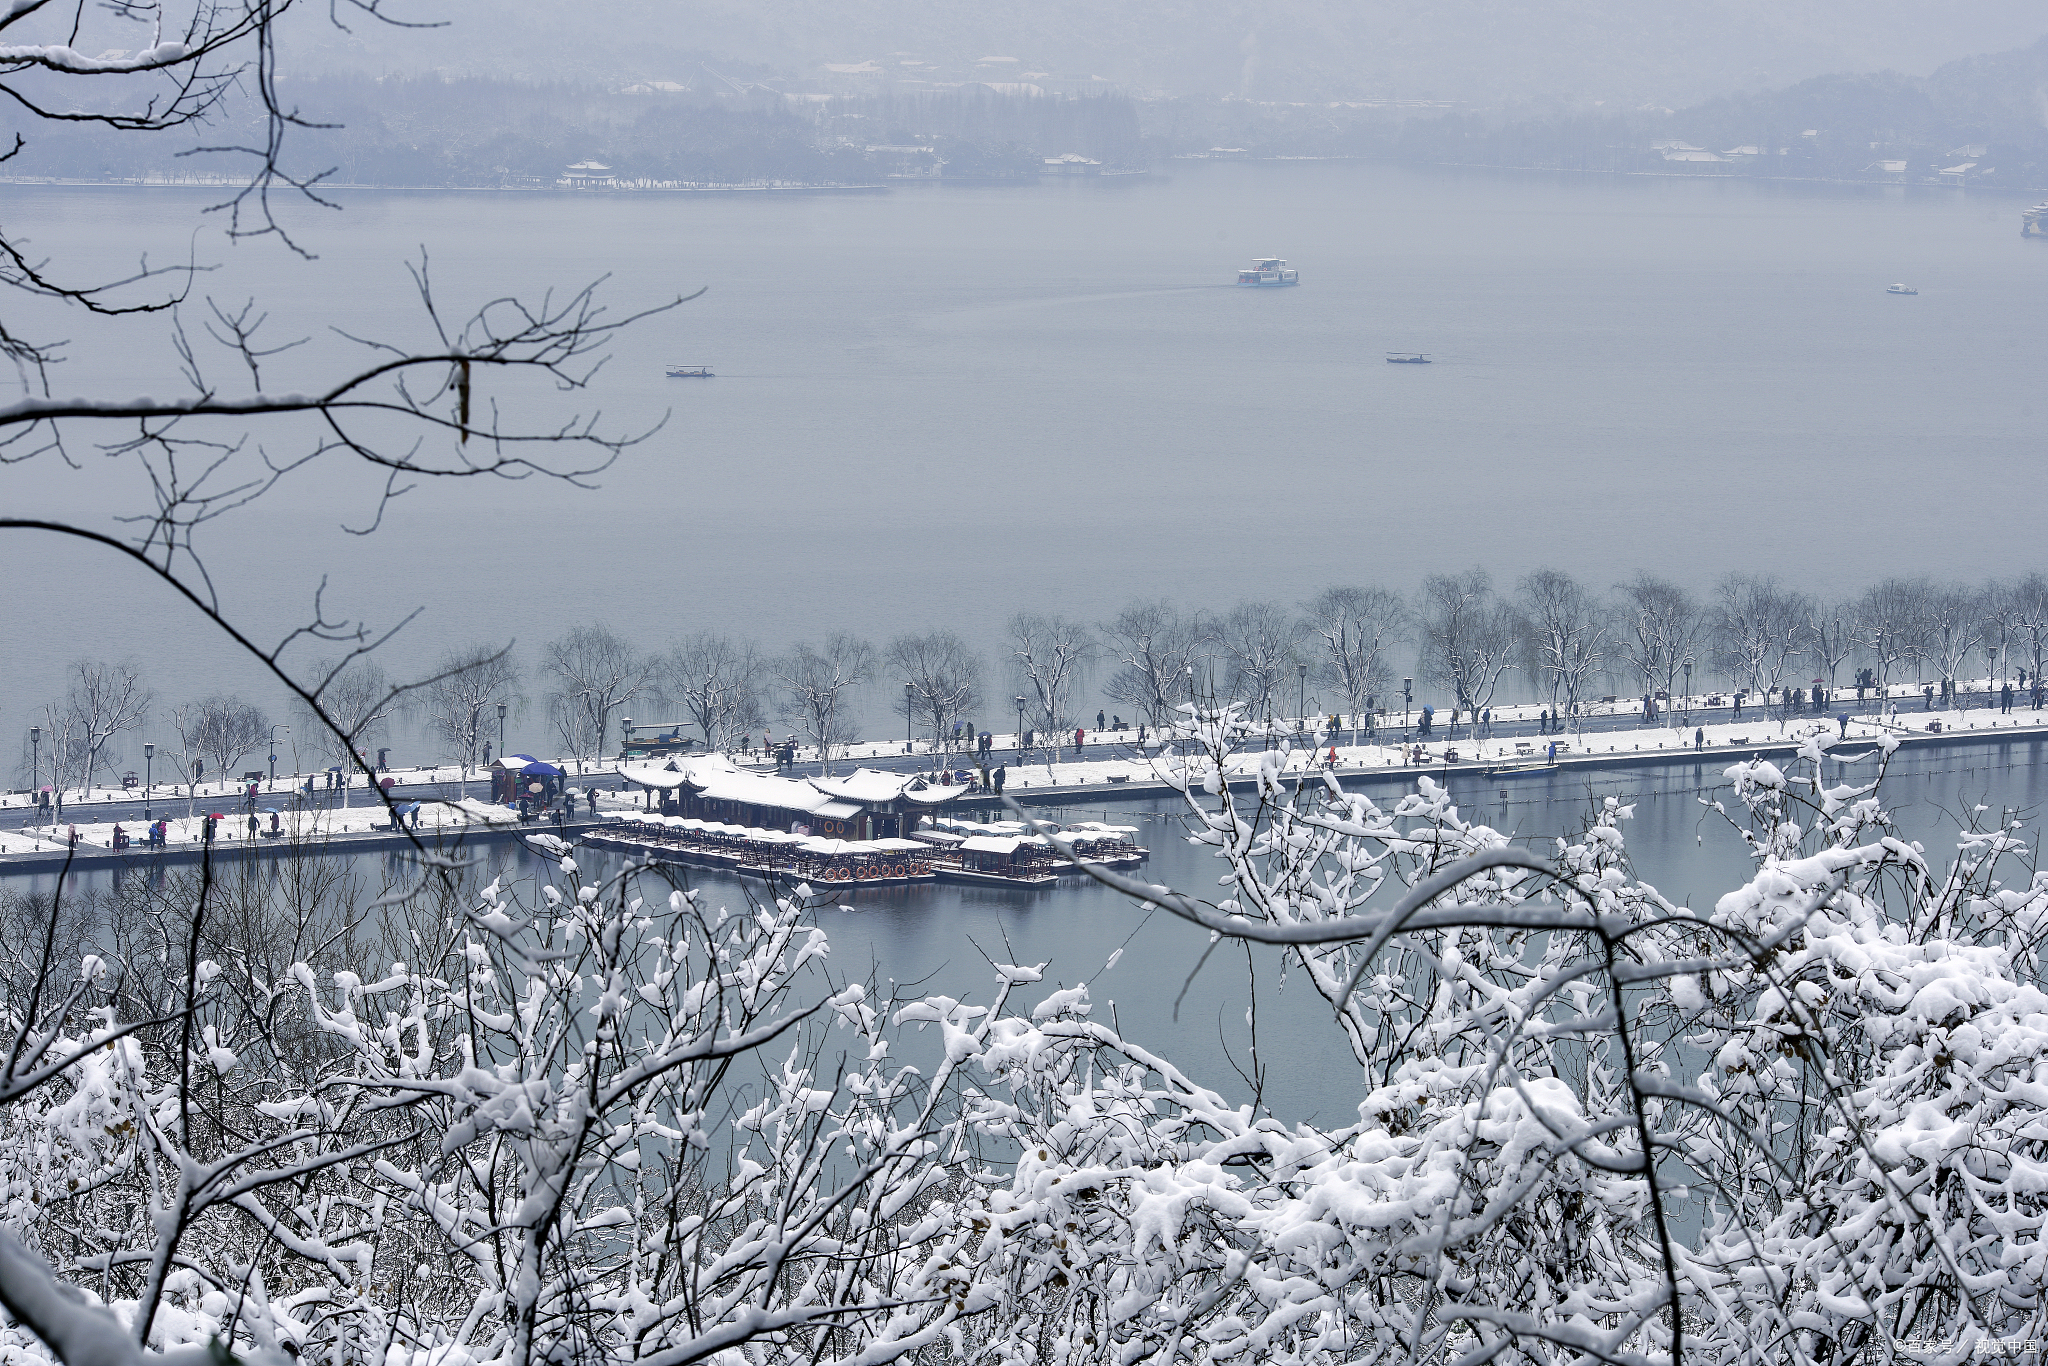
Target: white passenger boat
(1267, 272)
(1900, 289)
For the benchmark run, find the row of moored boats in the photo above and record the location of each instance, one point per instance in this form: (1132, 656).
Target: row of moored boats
(1003, 853)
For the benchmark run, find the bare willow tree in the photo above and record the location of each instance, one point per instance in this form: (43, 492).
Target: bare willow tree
(226, 729)
(1891, 625)
(1831, 634)
(468, 686)
(1565, 632)
(1050, 656)
(101, 702)
(1758, 629)
(1153, 646)
(2030, 616)
(349, 711)
(593, 671)
(1660, 627)
(1259, 642)
(2002, 611)
(716, 680)
(1351, 633)
(818, 686)
(1955, 623)
(1469, 637)
(942, 681)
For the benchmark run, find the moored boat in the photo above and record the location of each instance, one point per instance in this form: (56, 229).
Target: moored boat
(1900, 289)
(689, 372)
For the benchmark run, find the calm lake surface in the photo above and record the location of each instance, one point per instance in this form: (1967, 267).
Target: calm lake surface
(933, 939)
(939, 405)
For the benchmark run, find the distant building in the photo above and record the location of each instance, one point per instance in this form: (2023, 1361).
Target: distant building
(1956, 175)
(1071, 163)
(1751, 151)
(588, 175)
(1692, 154)
(913, 162)
(1974, 152)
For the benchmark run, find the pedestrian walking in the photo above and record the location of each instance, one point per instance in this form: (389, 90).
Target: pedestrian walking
(255, 824)
(1079, 737)
(1002, 776)
(1099, 722)
(1699, 737)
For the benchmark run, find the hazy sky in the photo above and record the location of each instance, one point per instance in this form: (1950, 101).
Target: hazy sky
(1468, 50)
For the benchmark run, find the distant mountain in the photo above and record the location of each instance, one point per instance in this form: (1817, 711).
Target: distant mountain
(1999, 97)
(1983, 119)
(1471, 51)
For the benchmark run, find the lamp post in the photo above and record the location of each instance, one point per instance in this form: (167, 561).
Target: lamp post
(1020, 730)
(273, 753)
(1688, 690)
(35, 761)
(906, 718)
(501, 729)
(626, 736)
(1301, 694)
(1407, 703)
(148, 778)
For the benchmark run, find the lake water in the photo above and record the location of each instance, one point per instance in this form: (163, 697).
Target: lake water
(941, 405)
(935, 939)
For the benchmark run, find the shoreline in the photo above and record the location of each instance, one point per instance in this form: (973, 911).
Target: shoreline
(137, 858)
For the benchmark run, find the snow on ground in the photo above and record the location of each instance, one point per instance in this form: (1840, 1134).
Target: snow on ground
(1728, 738)
(234, 826)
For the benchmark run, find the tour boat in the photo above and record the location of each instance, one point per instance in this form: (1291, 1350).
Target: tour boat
(1900, 289)
(1407, 358)
(1267, 272)
(689, 372)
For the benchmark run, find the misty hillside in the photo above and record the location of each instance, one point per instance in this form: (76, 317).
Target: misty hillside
(1475, 51)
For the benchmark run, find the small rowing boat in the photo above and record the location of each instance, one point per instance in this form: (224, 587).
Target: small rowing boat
(689, 372)
(1407, 358)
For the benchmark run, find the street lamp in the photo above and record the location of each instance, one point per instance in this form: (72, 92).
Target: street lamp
(1301, 694)
(148, 778)
(273, 753)
(906, 718)
(1020, 730)
(626, 736)
(501, 729)
(1407, 703)
(1688, 690)
(35, 762)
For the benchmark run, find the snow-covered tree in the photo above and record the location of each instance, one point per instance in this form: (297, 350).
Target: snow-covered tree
(717, 681)
(1564, 629)
(1469, 636)
(819, 686)
(943, 674)
(464, 692)
(1050, 656)
(1758, 629)
(593, 672)
(1351, 633)
(1154, 646)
